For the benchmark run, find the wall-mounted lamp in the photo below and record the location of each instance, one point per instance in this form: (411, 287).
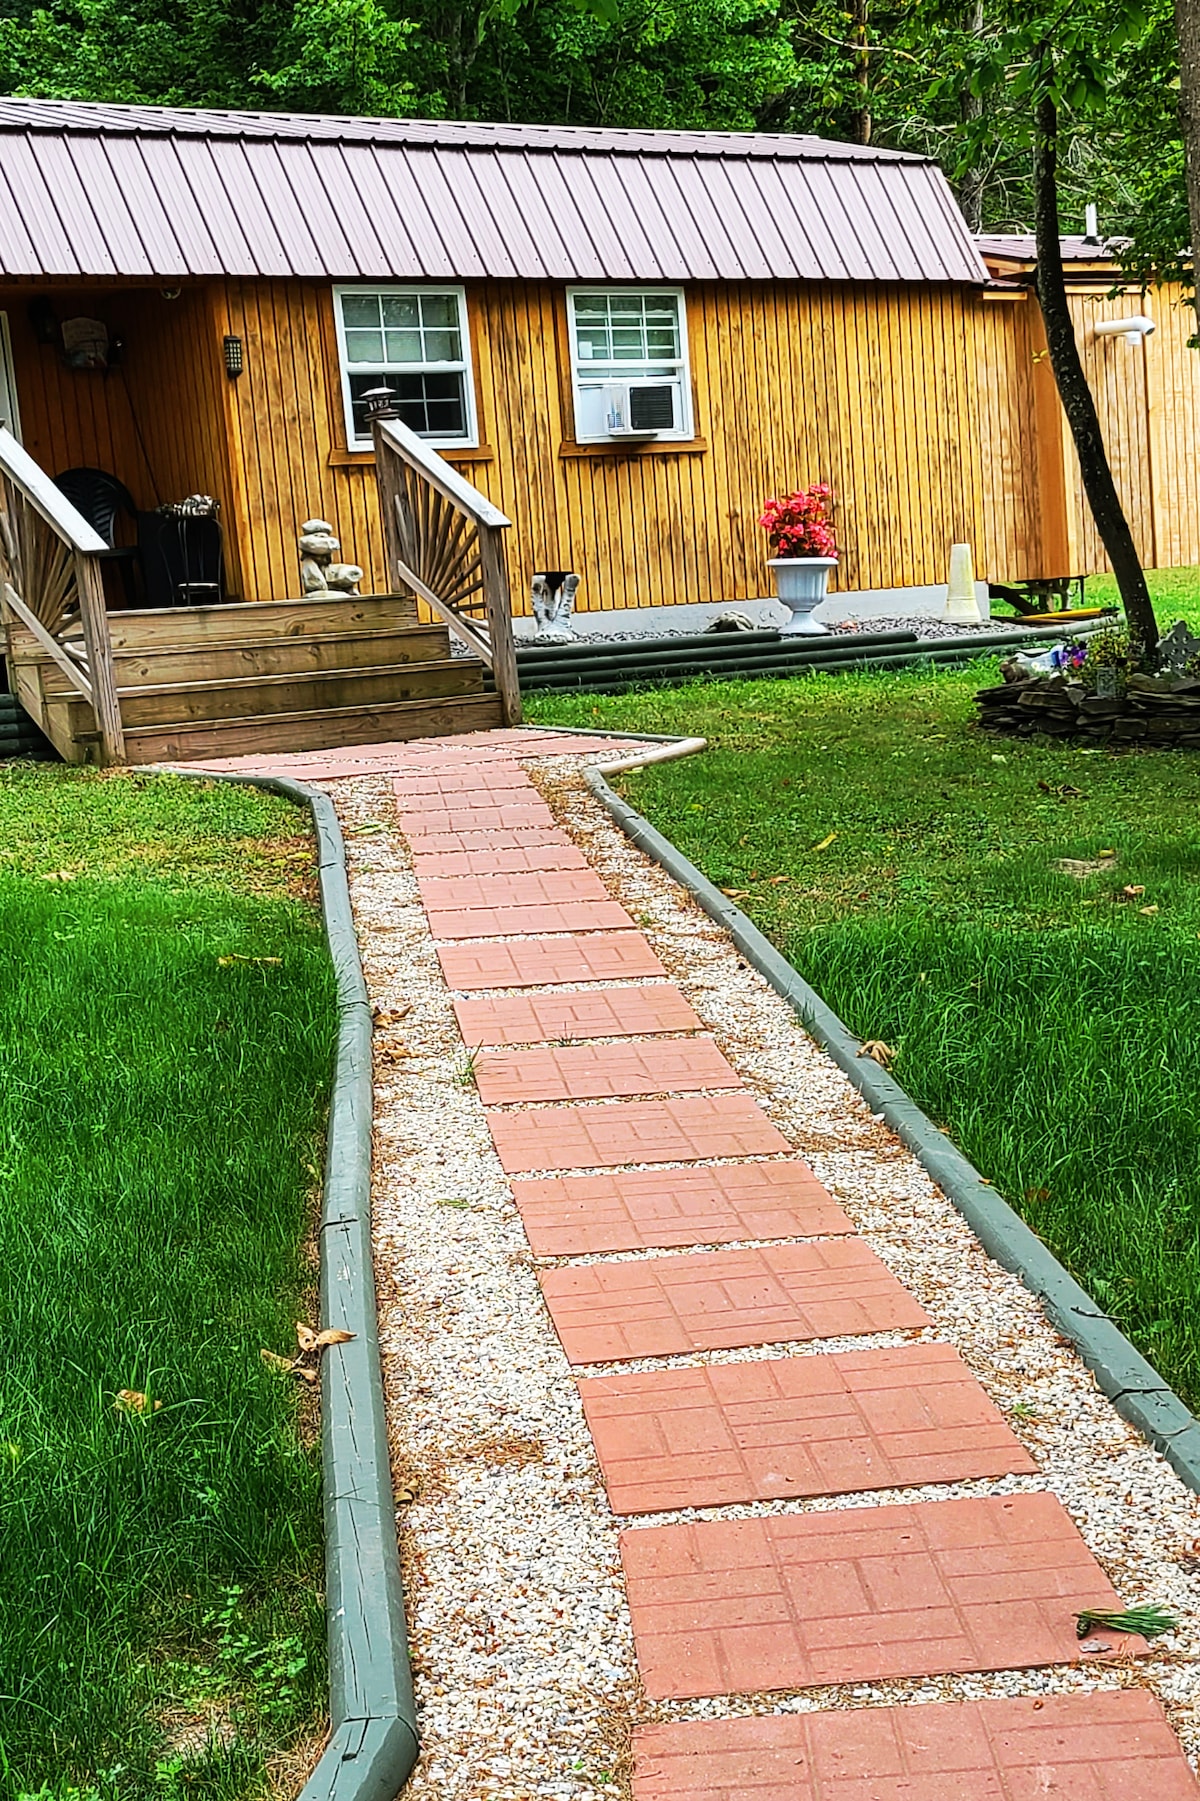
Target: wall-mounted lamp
(234, 361)
(1135, 328)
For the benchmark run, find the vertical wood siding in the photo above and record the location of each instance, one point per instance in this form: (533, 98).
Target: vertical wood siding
(929, 410)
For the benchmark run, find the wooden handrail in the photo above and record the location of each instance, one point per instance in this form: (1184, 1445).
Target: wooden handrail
(456, 488)
(30, 506)
(444, 543)
(52, 504)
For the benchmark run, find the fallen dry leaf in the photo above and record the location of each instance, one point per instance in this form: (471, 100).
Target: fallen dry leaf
(736, 893)
(59, 875)
(306, 1375)
(226, 962)
(878, 1051)
(283, 1365)
(306, 1338)
(404, 1496)
(1037, 1194)
(132, 1400)
(825, 842)
(333, 1335)
(1147, 909)
(1131, 891)
(388, 1016)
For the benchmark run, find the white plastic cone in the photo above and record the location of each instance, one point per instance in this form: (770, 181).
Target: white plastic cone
(961, 603)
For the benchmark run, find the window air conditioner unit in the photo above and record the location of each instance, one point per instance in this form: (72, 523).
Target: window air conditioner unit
(635, 409)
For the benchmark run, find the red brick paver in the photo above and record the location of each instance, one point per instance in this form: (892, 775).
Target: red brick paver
(496, 815)
(643, 1208)
(556, 853)
(795, 1426)
(480, 839)
(482, 750)
(1107, 1746)
(592, 1013)
(524, 888)
(719, 1300)
(532, 962)
(720, 1125)
(726, 1607)
(558, 916)
(598, 1071)
(469, 780)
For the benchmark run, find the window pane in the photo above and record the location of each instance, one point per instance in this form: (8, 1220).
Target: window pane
(439, 309)
(404, 347)
(360, 309)
(433, 405)
(364, 346)
(401, 311)
(442, 347)
(626, 327)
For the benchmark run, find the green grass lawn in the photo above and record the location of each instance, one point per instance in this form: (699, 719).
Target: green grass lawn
(1175, 593)
(1050, 1022)
(166, 1037)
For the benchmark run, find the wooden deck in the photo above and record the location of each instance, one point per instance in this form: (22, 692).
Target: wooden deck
(181, 684)
(198, 682)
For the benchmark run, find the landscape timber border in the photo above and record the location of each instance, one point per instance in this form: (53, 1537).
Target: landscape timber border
(373, 1742)
(1129, 1380)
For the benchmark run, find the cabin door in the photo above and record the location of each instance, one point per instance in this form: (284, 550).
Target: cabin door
(9, 411)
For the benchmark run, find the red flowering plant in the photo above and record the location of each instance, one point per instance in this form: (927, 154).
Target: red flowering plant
(796, 526)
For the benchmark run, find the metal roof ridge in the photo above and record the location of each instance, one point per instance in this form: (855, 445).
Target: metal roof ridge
(56, 117)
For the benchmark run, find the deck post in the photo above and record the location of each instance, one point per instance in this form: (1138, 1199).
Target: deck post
(499, 619)
(106, 703)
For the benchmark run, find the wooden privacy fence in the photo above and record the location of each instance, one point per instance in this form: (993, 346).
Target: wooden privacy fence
(51, 583)
(444, 543)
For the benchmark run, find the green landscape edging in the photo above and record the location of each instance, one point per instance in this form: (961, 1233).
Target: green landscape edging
(1125, 1376)
(373, 1743)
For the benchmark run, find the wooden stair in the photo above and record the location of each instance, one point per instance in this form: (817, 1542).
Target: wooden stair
(260, 677)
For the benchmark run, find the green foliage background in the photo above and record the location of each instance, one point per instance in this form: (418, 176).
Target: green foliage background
(944, 76)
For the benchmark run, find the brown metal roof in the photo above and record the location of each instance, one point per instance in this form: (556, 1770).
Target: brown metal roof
(125, 190)
(1021, 247)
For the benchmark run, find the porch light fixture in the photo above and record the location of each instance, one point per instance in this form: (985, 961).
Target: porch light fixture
(1135, 328)
(234, 362)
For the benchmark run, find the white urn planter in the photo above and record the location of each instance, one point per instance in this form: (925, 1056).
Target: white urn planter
(801, 583)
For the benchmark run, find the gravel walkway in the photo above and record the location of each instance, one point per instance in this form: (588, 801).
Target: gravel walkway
(523, 1640)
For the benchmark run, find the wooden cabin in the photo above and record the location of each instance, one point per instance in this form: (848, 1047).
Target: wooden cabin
(621, 342)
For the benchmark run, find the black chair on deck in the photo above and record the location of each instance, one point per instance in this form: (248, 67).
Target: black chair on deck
(102, 499)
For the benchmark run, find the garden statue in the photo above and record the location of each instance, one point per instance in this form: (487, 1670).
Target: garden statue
(319, 574)
(553, 597)
(1178, 652)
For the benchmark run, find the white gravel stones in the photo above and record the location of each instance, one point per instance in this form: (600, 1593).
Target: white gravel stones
(522, 1649)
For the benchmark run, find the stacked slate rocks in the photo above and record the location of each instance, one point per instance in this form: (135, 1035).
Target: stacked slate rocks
(1159, 710)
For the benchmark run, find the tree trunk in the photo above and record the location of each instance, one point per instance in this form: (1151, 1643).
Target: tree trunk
(1187, 24)
(1076, 396)
(862, 70)
(970, 186)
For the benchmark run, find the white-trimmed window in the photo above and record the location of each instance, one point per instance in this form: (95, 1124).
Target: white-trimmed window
(414, 341)
(629, 364)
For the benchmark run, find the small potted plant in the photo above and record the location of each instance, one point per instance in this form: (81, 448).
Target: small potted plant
(800, 534)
